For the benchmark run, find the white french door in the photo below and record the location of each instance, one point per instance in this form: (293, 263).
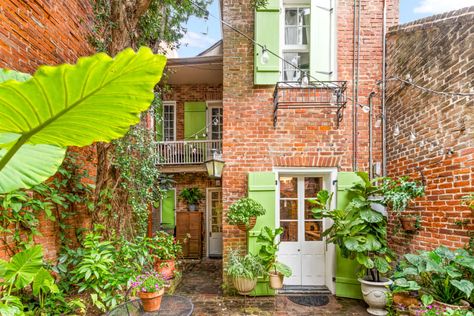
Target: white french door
(214, 221)
(302, 246)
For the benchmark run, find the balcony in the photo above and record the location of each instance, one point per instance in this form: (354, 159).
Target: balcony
(186, 155)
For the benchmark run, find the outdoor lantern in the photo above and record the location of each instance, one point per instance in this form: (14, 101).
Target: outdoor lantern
(215, 165)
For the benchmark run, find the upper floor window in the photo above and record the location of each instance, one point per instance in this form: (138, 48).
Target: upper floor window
(169, 121)
(296, 41)
(215, 122)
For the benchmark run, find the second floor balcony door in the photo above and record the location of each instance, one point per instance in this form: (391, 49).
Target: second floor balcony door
(215, 123)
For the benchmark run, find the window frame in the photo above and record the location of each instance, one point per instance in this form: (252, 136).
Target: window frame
(210, 105)
(172, 104)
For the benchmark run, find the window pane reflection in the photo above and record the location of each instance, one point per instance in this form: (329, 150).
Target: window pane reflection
(313, 231)
(312, 186)
(289, 209)
(290, 231)
(288, 187)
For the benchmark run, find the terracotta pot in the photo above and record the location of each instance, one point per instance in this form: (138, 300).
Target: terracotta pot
(375, 295)
(408, 223)
(151, 301)
(252, 222)
(465, 306)
(276, 280)
(405, 299)
(244, 286)
(166, 268)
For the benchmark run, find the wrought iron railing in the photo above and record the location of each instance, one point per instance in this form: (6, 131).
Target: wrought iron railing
(187, 152)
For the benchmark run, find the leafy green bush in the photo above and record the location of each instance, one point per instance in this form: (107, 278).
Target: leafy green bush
(192, 196)
(442, 274)
(164, 246)
(247, 267)
(241, 211)
(397, 193)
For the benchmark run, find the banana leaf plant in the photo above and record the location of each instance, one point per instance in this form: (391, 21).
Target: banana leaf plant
(268, 238)
(95, 100)
(359, 231)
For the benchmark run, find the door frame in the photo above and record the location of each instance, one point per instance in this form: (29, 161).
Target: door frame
(175, 205)
(208, 215)
(329, 176)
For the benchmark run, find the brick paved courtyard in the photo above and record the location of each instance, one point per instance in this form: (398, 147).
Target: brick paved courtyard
(202, 283)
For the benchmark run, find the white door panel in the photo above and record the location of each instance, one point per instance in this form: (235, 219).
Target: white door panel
(214, 218)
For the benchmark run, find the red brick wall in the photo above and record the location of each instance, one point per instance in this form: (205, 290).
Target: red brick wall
(33, 33)
(437, 53)
(305, 138)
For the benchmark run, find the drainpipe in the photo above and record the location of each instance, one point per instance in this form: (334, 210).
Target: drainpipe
(355, 82)
(371, 162)
(384, 112)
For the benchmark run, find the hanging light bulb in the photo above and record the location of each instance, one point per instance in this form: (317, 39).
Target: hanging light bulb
(412, 136)
(365, 108)
(265, 57)
(304, 80)
(378, 122)
(431, 148)
(196, 136)
(422, 143)
(396, 130)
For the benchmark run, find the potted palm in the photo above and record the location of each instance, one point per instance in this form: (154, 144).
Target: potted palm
(165, 249)
(244, 212)
(150, 288)
(268, 238)
(360, 233)
(244, 271)
(192, 196)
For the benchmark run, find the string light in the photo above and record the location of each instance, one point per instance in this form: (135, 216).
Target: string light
(378, 122)
(304, 80)
(265, 57)
(410, 81)
(365, 108)
(412, 136)
(396, 131)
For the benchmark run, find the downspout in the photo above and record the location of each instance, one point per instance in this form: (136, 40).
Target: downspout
(371, 162)
(384, 112)
(355, 81)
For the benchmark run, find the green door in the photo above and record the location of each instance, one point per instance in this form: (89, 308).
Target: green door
(261, 187)
(168, 209)
(346, 270)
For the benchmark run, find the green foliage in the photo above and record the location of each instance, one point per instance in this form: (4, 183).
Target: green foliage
(241, 211)
(397, 193)
(359, 231)
(441, 274)
(247, 267)
(164, 246)
(268, 239)
(191, 195)
(468, 200)
(149, 282)
(64, 105)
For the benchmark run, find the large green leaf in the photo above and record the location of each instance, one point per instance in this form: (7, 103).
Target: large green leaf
(43, 281)
(464, 285)
(23, 267)
(98, 99)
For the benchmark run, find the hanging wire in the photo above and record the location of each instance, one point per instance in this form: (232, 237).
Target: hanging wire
(425, 89)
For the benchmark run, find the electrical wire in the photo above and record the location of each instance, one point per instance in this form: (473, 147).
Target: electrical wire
(425, 89)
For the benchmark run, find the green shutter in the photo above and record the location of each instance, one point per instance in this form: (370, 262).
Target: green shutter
(261, 188)
(159, 122)
(195, 120)
(168, 209)
(267, 33)
(321, 45)
(346, 270)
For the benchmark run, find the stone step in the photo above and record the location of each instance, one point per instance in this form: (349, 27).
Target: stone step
(302, 289)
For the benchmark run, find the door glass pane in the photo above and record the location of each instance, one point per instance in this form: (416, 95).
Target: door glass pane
(288, 209)
(288, 187)
(313, 231)
(291, 17)
(290, 231)
(216, 214)
(216, 125)
(312, 186)
(308, 206)
(168, 122)
(300, 59)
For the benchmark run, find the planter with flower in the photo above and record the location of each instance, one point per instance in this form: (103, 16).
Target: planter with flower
(398, 193)
(360, 233)
(244, 271)
(442, 277)
(150, 289)
(268, 254)
(165, 250)
(192, 196)
(244, 213)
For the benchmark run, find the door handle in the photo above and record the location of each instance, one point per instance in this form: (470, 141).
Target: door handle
(299, 249)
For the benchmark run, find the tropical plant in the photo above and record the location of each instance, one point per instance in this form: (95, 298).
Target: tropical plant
(241, 211)
(149, 282)
(397, 193)
(64, 106)
(247, 267)
(192, 196)
(440, 274)
(164, 246)
(268, 239)
(359, 231)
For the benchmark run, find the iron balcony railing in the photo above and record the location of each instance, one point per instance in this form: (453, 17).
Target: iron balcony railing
(186, 152)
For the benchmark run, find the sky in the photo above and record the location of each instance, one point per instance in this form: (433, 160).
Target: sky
(203, 33)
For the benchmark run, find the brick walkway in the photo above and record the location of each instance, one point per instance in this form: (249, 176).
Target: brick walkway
(202, 283)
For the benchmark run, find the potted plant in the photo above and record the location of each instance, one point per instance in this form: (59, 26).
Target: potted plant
(398, 193)
(360, 233)
(268, 254)
(165, 249)
(150, 288)
(443, 277)
(192, 196)
(244, 271)
(244, 212)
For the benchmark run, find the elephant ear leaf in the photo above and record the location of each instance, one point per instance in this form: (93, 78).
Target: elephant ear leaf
(98, 99)
(23, 267)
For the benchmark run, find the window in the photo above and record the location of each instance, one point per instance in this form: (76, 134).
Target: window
(215, 121)
(169, 121)
(296, 41)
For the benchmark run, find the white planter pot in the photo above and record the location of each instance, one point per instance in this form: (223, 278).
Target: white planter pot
(375, 295)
